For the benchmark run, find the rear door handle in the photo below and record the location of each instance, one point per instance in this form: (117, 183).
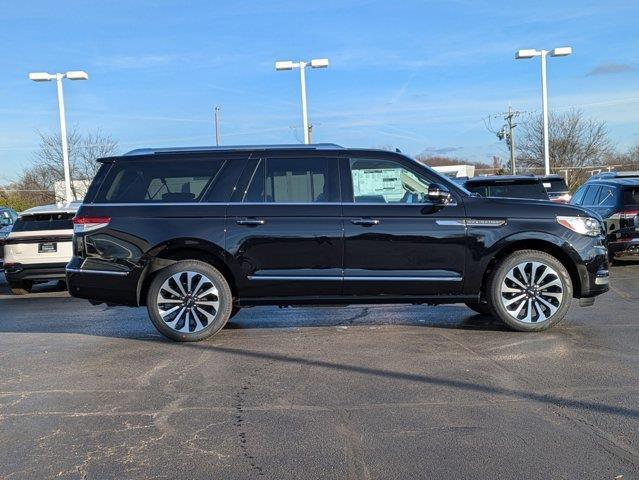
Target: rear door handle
(365, 222)
(250, 222)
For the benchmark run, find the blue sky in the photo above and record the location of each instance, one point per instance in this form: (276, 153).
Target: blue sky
(418, 75)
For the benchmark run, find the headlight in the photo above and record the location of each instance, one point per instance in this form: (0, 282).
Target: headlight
(583, 225)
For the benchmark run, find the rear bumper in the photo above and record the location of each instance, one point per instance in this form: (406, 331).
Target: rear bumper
(624, 250)
(113, 287)
(17, 272)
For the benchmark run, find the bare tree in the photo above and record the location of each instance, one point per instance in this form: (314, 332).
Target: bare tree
(84, 149)
(575, 142)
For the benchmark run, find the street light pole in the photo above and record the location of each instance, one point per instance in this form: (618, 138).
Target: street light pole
(289, 65)
(544, 109)
(58, 77)
(217, 126)
(304, 110)
(63, 138)
(555, 52)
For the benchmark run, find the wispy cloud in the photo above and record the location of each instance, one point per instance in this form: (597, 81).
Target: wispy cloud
(441, 150)
(134, 61)
(610, 69)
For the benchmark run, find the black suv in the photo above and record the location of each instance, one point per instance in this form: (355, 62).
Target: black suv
(197, 234)
(507, 186)
(615, 196)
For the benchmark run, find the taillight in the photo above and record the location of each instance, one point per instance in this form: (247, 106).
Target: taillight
(88, 224)
(628, 214)
(565, 198)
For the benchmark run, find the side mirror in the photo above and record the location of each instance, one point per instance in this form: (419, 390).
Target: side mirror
(439, 195)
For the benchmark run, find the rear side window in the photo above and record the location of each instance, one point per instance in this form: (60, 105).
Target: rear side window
(591, 196)
(44, 221)
(294, 180)
(160, 181)
(630, 197)
(607, 197)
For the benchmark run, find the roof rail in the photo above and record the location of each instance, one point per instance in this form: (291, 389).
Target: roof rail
(294, 146)
(615, 174)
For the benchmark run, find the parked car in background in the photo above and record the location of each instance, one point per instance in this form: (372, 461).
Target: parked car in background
(7, 219)
(197, 234)
(556, 188)
(616, 198)
(39, 246)
(507, 186)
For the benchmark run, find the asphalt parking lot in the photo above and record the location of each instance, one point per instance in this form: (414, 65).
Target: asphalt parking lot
(344, 393)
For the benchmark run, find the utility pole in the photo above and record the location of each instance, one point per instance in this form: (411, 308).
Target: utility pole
(507, 132)
(216, 113)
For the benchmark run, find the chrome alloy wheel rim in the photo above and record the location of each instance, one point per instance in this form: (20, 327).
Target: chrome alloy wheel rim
(188, 302)
(532, 292)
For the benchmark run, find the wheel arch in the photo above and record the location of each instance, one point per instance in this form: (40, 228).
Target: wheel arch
(548, 244)
(168, 253)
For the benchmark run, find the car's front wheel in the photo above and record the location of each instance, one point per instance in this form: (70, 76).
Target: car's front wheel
(530, 291)
(189, 301)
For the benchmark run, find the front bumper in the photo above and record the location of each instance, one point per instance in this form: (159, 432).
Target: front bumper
(40, 272)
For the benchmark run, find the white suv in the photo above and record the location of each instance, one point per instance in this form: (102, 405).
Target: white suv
(39, 246)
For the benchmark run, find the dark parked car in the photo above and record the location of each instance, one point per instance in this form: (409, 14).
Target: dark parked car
(556, 188)
(507, 186)
(197, 234)
(616, 198)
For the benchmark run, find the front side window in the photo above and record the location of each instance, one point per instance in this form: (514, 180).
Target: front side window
(294, 180)
(591, 196)
(386, 181)
(158, 182)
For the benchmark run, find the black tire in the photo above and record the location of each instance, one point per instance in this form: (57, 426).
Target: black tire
(219, 317)
(21, 288)
(554, 272)
(480, 307)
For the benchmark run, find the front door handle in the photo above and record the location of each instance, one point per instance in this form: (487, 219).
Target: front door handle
(365, 222)
(250, 222)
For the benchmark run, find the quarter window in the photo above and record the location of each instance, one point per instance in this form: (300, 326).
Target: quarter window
(158, 182)
(386, 181)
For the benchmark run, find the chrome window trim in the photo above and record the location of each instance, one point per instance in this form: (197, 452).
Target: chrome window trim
(187, 204)
(100, 272)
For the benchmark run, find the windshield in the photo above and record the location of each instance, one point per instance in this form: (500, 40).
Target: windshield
(532, 190)
(44, 221)
(555, 185)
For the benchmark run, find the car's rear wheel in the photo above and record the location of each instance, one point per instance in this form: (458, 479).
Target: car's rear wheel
(21, 288)
(530, 291)
(189, 301)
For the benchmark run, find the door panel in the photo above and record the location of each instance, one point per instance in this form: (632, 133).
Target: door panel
(409, 246)
(288, 248)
